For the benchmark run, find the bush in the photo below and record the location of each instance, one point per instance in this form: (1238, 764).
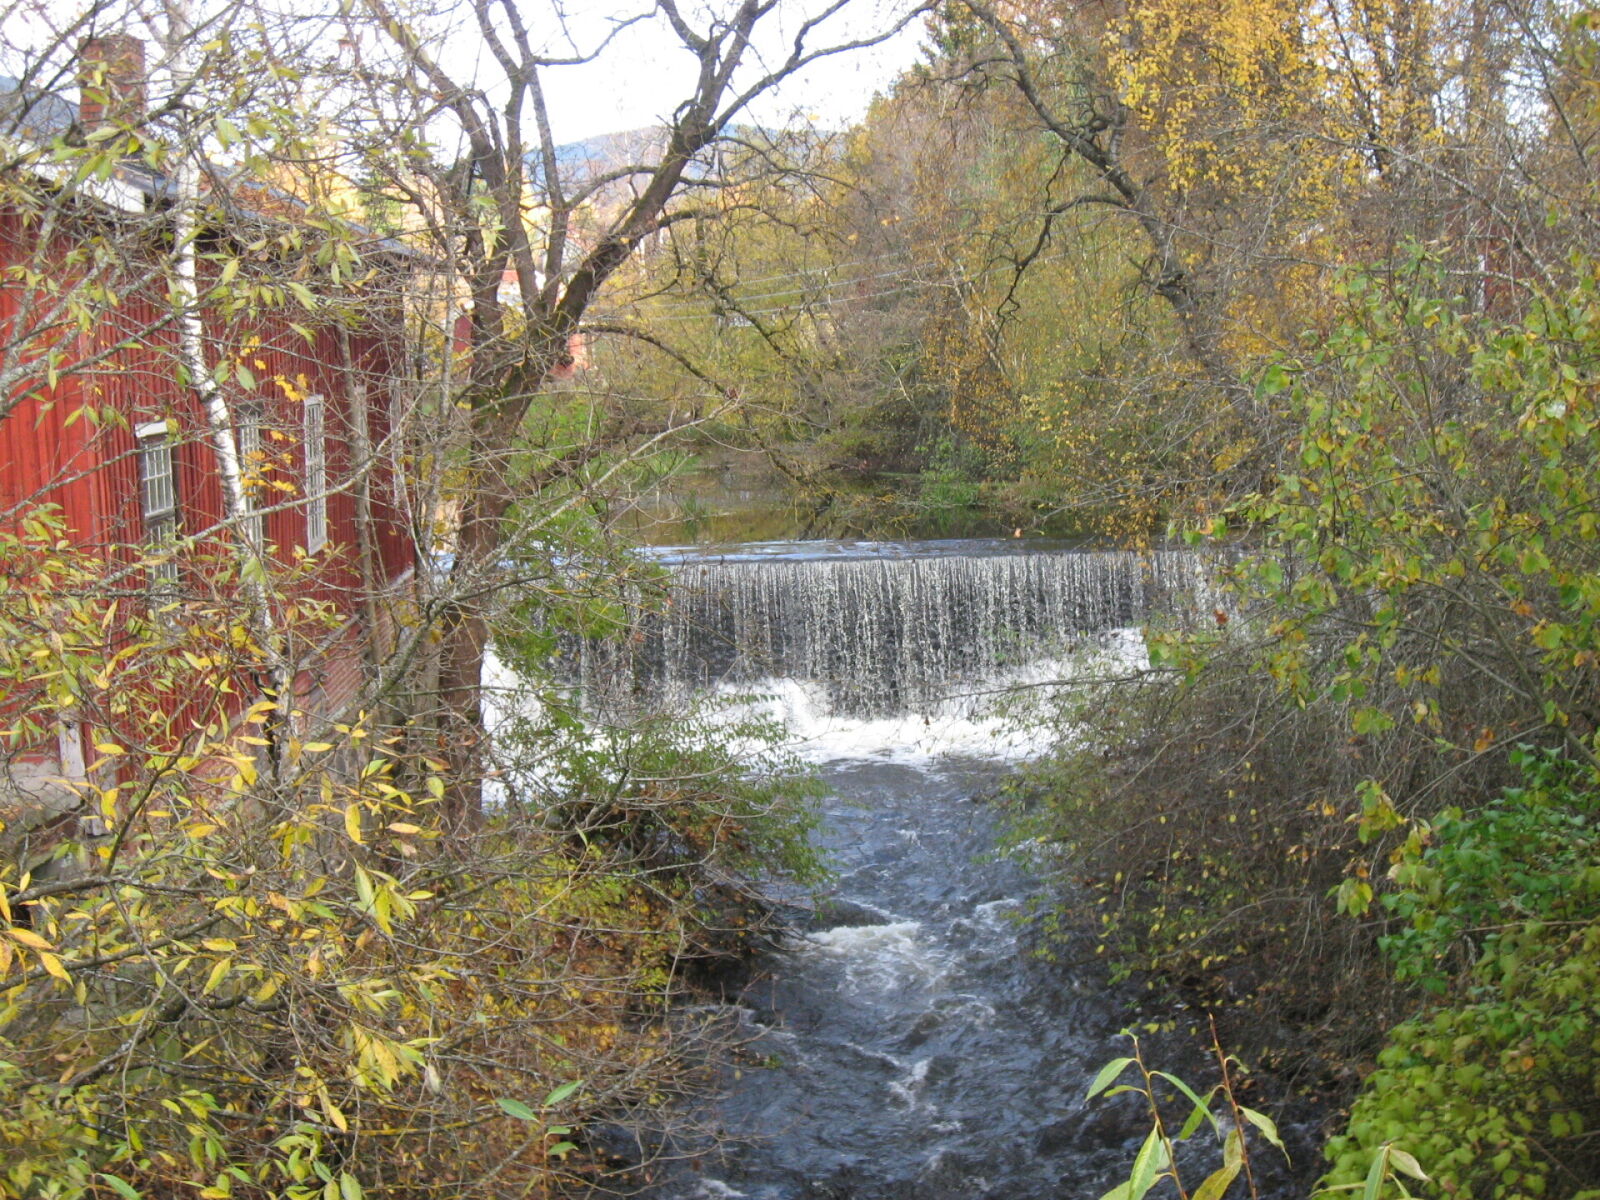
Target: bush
(1200, 827)
(262, 970)
(1496, 1086)
(1420, 589)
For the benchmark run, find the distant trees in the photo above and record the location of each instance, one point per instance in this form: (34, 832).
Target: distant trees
(1122, 212)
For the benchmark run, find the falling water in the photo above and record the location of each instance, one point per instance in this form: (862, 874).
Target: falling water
(875, 628)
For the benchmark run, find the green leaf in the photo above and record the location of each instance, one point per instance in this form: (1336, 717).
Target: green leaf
(1380, 1167)
(1370, 720)
(1108, 1073)
(1407, 1163)
(1233, 1149)
(1217, 1183)
(1273, 380)
(1202, 1111)
(1354, 897)
(562, 1092)
(121, 1186)
(1264, 1123)
(1147, 1165)
(517, 1109)
(349, 1187)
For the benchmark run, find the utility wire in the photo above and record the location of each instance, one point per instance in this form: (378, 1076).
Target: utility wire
(830, 302)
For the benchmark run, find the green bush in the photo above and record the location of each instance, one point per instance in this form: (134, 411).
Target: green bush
(1496, 1087)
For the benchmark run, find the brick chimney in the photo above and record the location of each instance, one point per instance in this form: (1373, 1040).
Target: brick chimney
(111, 81)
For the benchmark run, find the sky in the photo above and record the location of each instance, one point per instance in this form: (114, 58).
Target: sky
(644, 71)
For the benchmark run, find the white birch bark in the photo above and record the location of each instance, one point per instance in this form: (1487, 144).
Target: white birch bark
(187, 229)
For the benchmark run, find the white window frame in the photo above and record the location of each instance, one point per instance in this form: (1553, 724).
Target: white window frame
(315, 422)
(158, 498)
(248, 419)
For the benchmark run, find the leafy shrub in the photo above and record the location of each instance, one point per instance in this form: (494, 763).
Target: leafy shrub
(261, 969)
(1421, 590)
(1199, 848)
(1496, 1088)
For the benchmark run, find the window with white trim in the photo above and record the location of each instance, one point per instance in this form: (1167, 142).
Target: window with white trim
(316, 474)
(247, 423)
(158, 500)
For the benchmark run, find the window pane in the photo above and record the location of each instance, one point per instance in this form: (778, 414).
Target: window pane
(247, 436)
(158, 503)
(316, 479)
(155, 470)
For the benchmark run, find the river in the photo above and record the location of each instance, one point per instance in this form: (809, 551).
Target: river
(905, 1043)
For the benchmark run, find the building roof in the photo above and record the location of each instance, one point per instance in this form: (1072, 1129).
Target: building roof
(36, 115)
(33, 113)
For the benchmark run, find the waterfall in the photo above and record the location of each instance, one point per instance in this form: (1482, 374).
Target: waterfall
(881, 632)
(904, 1043)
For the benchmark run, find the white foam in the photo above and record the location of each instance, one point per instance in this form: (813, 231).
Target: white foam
(879, 958)
(715, 1189)
(905, 1090)
(963, 1005)
(1010, 716)
(868, 939)
(993, 913)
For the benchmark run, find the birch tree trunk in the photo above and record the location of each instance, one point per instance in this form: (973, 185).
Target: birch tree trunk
(260, 608)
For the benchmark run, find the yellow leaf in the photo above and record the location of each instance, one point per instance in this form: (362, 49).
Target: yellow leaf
(53, 965)
(29, 939)
(352, 822)
(333, 1114)
(218, 974)
(404, 827)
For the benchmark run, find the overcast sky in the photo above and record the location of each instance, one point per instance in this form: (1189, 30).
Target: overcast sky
(642, 74)
(645, 72)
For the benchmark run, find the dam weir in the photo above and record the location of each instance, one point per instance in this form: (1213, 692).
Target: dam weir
(880, 628)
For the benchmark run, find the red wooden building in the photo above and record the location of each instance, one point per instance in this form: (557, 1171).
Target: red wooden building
(99, 426)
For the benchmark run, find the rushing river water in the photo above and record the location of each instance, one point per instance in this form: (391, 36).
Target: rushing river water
(911, 1048)
(905, 1044)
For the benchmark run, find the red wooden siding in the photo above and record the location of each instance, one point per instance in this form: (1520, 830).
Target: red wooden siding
(74, 444)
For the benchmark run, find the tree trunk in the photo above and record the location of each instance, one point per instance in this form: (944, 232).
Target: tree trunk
(464, 641)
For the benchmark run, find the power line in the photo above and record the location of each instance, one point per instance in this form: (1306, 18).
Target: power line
(811, 305)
